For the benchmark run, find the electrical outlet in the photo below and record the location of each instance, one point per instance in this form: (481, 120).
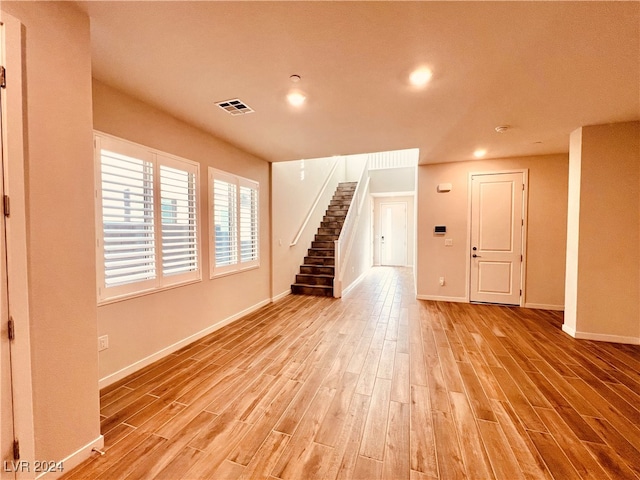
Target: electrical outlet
(441, 281)
(103, 342)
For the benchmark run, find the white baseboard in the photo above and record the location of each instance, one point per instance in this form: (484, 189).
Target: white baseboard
(600, 337)
(281, 295)
(75, 459)
(545, 306)
(438, 298)
(134, 367)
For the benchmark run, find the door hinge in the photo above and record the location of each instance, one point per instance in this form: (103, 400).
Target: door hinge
(16, 450)
(521, 258)
(6, 205)
(11, 329)
(3, 77)
(520, 292)
(523, 187)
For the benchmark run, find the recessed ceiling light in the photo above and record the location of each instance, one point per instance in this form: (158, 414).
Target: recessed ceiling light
(296, 98)
(479, 153)
(420, 77)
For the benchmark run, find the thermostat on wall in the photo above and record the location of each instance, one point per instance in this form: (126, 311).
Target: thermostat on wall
(444, 187)
(439, 229)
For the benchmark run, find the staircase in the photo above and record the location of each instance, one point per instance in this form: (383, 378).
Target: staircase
(318, 271)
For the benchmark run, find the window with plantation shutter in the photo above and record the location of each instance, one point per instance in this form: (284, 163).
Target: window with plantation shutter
(179, 222)
(249, 234)
(127, 219)
(146, 219)
(234, 229)
(224, 221)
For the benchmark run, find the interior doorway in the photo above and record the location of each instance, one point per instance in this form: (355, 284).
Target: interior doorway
(497, 237)
(393, 234)
(16, 392)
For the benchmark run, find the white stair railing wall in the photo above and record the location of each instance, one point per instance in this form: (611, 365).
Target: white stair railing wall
(344, 243)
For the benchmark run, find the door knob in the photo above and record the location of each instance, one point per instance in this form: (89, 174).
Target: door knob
(475, 256)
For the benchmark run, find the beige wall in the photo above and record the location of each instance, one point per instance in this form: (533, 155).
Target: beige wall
(59, 211)
(174, 315)
(399, 180)
(546, 239)
(603, 263)
(411, 230)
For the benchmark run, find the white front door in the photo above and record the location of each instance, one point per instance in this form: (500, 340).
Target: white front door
(393, 233)
(496, 237)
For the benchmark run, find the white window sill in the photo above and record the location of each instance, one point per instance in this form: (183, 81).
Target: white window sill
(144, 293)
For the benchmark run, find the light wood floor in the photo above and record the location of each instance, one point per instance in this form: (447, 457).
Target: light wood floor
(378, 385)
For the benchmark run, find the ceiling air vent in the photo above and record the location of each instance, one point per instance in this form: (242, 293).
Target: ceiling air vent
(235, 107)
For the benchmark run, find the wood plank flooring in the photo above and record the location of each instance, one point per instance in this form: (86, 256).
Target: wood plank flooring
(378, 385)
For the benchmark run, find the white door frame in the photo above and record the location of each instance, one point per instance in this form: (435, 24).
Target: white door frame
(372, 230)
(7, 433)
(14, 178)
(406, 231)
(525, 209)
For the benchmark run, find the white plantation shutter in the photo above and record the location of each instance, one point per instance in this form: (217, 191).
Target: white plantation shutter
(127, 219)
(146, 218)
(235, 232)
(224, 221)
(249, 233)
(179, 229)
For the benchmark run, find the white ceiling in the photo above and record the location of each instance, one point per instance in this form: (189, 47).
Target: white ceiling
(544, 68)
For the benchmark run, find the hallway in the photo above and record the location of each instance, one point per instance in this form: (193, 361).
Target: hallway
(378, 385)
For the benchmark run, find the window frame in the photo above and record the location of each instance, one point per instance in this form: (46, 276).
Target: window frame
(106, 295)
(238, 265)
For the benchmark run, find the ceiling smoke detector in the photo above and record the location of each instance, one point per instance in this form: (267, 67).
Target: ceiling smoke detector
(502, 128)
(235, 107)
